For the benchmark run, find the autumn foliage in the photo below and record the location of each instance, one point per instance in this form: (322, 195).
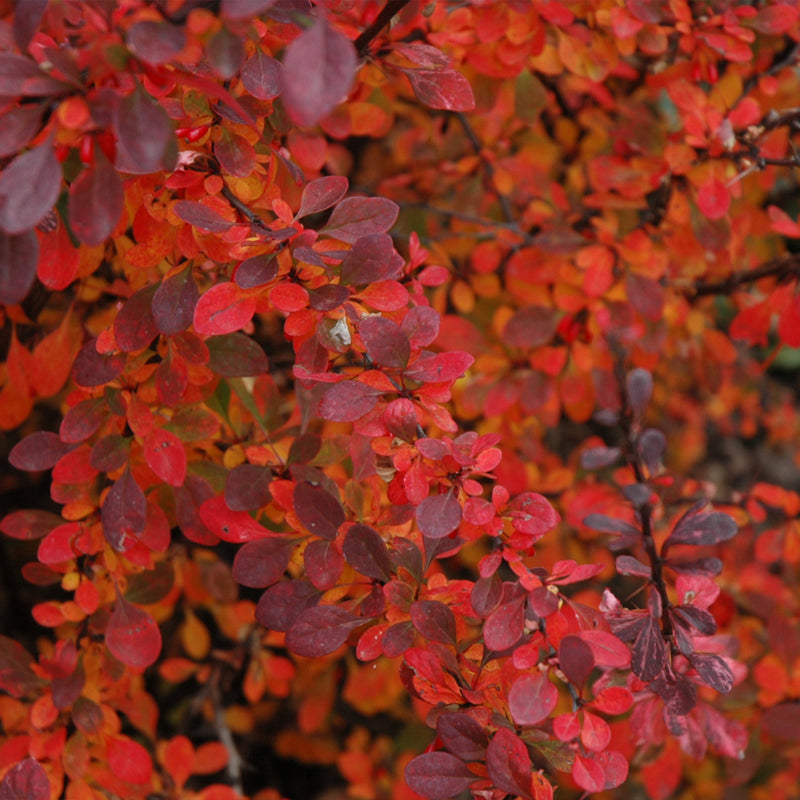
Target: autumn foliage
(398, 399)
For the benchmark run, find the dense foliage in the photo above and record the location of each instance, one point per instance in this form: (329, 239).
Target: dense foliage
(399, 395)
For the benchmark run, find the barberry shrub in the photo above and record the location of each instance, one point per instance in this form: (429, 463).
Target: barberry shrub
(398, 397)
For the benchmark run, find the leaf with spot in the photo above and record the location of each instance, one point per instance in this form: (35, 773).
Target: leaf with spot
(509, 764)
(434, 620)
(318, 510)
(25, 781)
(438, 776)
(29, 188)
(165, 455)
(320, 630)
(262, 562)
(124, 512)
(96, 201)
(355, 217)
(366, 552)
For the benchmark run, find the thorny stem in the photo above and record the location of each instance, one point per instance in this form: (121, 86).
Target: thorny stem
(646, 511)
(363, 42)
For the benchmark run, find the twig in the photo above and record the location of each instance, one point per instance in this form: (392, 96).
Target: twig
(488, 167)
(363, 42)
(781, 267)
(235, 761)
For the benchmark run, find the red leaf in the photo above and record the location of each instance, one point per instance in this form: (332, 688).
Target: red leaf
(371, 259)
(509, 764)
(462, 735)
(347, 401)
(318, 510)
(776, 19)
(38, 451)
(27, 18)
(243, 9)
(224, 308)
(144, 133)
(438, 776)
(613, 700)
(531, 699)
(56, 547)
(441, 88)
(595, 732)
(25, 781)
(129, 761)
(318, 70)
(262, 75)
(615, 766)
(789, 322)
(434, 620)
(96, 200)
(165, 455)
(532, 513)
(576, 659)
(323, 564)
(421, 325)
(156, 42)
(262, 562)
(356, 217)
(714, 198)
(132, 635)
(439, 515)
(385, 341)
(201, 216)
(135, 326)
(29, 524)
(230, 526)
(608, 651)
(588, 774)
(124, 512)
(320, 630)
(18, 258)
(782, 223)
(29, 188)
(505, 625)
(366, 552)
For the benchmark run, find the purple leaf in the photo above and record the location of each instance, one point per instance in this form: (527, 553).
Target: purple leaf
(247, 487)
(706, 528)
(505, 626)
(439, 515)
(628, 565)
(347, 401)
(462, 735)
(639, 388)
(144, 131)
(155, 42)
(386, 343)
(282, 604)
(38, 451)
(421, 325)
(531, 699)
(19, 256)
(94, 369)
(27, 17)
(201, 216)
(96, 200)
(366, 552)
(25, 781)
(256, 271)
(262, 562)
(371, 259)
(135, 325)
(434, 620)
(29, 188)
(318, 70)
(713, 671)
(244, 9)
(576, 659)
(318, 510)
(236, 355)
(320, 630)
(438, 775)
(649, 651)
(356, 217)
(509, 763)
(17, 127)
(532, 326)
(323, 564)
(262, 76)
(21, 76)
(322, 193)
(174, 302)
(124, 513)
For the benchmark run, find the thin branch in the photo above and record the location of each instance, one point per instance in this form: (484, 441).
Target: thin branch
(365, 39)
(488, 167)
(783, 267)
(235, 761)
